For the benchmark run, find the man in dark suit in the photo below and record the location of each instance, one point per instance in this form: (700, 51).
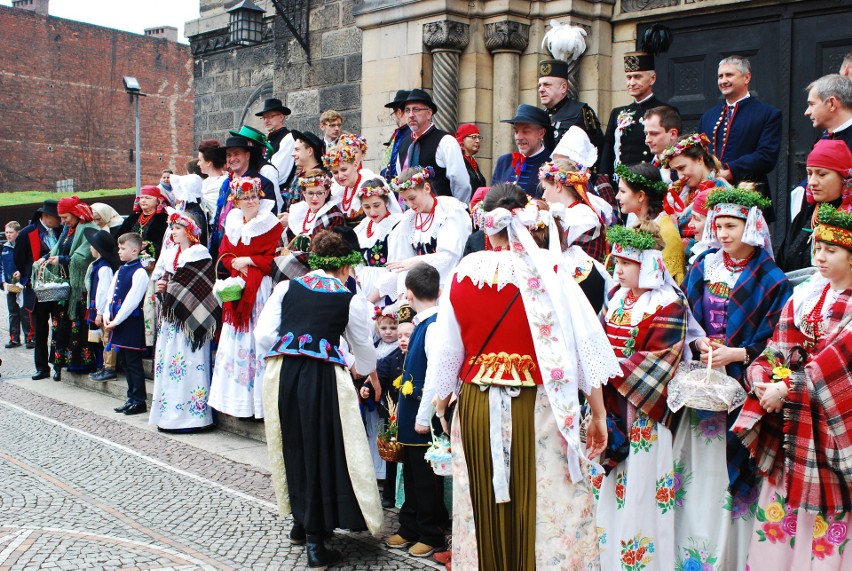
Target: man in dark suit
(624, 141)
(744, 133)
(563, 110)
(35, 242)
(534, 139)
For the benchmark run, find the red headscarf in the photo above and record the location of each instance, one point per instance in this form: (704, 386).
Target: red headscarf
(156, 192)
(833, 154)
(73, 205)
(464, 131)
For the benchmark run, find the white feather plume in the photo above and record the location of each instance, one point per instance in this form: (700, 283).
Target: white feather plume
(564, 42)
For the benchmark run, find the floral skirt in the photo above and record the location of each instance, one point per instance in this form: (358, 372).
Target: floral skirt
(70, 345)
(790, 539)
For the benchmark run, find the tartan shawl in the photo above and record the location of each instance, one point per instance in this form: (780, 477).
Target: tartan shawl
(754, 309)
(189, 302)
(816, 455)
(646, 373)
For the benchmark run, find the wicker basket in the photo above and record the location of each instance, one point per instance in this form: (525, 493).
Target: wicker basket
(390, 451)
(51, 287)
(14, 288)
(439, 455)
(703, 388)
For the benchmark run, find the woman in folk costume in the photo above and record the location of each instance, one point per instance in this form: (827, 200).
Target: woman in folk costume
(524, 343)
(697, 171)
(106, 217)
(189, 313)
(248, 246)
(642, 193)
(736, 293)
(797, 425)
(434, 230)
(320, 460)
(373, 233)
(70, 338)
(646, 322)
(188, 192)
(316, 212)
(211, 161)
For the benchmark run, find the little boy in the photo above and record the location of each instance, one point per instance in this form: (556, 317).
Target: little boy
(124, 320)
(103, 248)
(423, 517)
(19, 318)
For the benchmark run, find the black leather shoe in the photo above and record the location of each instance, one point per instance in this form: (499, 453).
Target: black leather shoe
(40, 375)
(319, 558)
(123, 407)
(136, 408)
(12, 344)
(57, 375)
(103, 375)
(30, 344)
(297, 534)
(388, 503)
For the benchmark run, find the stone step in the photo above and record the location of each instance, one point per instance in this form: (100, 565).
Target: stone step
(118, 389)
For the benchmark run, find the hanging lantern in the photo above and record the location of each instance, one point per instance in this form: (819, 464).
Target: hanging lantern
(246, 24)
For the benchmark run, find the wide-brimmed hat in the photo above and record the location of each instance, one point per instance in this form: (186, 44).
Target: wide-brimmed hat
(49, 207)
(273, 105)
(253, 135)
(312, 141)
(420, 96)
(104, 243)
(398, 99)
(529, 114)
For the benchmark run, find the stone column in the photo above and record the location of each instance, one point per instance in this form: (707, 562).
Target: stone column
(446, 40)
(506, 41)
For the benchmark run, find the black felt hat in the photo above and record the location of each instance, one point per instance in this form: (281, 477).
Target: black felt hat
(312, 141)
(529, 114)
(49, 207)
(398, 100)
(420, 96)
(104, 243)
(273, 105)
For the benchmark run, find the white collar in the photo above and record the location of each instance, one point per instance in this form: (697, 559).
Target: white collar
(842, 127)
(538, 152)
(424, 315)
(236, 230)
(738, 101)
(194, 253)
(641, 101)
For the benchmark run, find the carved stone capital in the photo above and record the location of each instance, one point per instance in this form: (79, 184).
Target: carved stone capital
(640, 5)
(446, 35)
(507, 36)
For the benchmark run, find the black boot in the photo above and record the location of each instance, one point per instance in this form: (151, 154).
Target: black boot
(319, 558)
(297, 534)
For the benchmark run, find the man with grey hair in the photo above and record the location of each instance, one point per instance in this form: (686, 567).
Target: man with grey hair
(846, 66)
(830, 106)
(744, 133)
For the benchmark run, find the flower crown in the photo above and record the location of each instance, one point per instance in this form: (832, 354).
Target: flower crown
(322, 180)
(640, 181)
(417, 179)
(353, 140)
(833, 226)
(738, 196)
(682, 145)
(244, 185)
(632, 238)
(317, 262)
(339, 154)
(551, 172)
(371, 191)
(378, 313)
(185, 220)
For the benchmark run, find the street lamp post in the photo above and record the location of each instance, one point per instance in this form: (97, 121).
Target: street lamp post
(131, 86)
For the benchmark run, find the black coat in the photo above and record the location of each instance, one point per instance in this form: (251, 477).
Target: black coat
(633, 148)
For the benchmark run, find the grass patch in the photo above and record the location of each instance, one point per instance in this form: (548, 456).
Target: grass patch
(39, 196)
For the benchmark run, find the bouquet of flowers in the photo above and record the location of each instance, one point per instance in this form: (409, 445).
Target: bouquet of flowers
(389, 448)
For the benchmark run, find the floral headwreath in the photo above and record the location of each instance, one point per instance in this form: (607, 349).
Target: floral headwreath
(577, 180)
(192, 230)
(306, 182)
(629, 242)
(244, 185)
(833, 226)
(371, 191)
(353, 140)
(641, 181)
(417, 179)
(681, 146)
(388, 312)
(345, 151)
(317, 262)
(737, 196)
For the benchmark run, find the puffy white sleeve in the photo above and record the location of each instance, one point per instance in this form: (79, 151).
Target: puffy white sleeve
(449, 156)
(103, 291)
(283, 159)
(270, 172)
(269, 321)
(444, 354)
(359, 335)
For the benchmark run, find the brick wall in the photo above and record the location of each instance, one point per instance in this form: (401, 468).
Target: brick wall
(64, 113)
(232, 81)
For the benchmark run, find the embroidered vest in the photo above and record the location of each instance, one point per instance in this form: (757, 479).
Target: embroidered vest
(428, 151)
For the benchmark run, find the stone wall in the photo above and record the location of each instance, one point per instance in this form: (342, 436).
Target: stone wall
(232, 81)
(64, 113)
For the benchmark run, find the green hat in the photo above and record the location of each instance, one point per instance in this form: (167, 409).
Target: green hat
(253, 134)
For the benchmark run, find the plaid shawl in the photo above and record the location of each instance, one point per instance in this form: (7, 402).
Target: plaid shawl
(646, 373)
(189, 302)
(753, 311)
(816, 457)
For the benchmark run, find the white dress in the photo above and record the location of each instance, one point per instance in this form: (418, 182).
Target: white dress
(181, 375)
(375, 249)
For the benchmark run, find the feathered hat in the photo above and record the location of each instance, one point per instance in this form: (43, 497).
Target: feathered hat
(655, 40)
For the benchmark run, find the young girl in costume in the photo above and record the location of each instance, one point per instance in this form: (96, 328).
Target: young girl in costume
(796, 424)
(736, 293)
(373, 233)
(645, 321)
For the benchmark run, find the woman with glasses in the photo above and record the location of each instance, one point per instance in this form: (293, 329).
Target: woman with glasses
(470, 140)
(251, 235)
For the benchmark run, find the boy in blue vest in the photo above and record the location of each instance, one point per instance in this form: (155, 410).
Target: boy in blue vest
(19, 317)
(124, 321)
(423, 517)
(100, 274)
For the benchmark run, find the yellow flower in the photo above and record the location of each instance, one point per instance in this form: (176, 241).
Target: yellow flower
(407, 388)
(781, 373)
(774, 512)
(820, 526)
(397, 381)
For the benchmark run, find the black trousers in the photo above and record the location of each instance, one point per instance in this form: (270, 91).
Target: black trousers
(135, 374)
(389, 490)
(423, 517)
(19, 319)
(42, 317)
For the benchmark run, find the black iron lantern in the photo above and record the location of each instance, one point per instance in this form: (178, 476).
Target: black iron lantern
(246, 24)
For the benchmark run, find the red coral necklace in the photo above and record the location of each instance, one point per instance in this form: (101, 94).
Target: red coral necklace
(370, 225)
(423, 223)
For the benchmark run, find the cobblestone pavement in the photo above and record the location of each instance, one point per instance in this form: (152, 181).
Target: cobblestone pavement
(83, 491)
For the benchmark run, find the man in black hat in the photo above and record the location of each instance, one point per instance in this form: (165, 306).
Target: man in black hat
(34, 242)
(428, 146)
(397, 107)
(534, 139)
(624, 141)
(243, 157)
(274, 114)
(307, 155)
(562, 110)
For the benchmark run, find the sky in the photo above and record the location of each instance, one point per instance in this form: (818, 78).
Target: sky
(129, 15)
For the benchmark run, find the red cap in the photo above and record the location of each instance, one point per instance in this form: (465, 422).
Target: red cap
(831, 154)
(465, 130)
(151, 190)
(66, 205)
(699, 203)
